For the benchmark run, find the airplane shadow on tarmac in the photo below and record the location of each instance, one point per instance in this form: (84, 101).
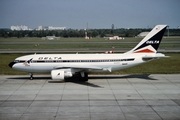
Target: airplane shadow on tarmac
(77, 81)
(140, 76)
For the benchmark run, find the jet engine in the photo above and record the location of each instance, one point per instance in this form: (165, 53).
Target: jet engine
(60, 74)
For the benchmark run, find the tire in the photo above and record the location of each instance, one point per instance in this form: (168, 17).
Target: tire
(85, 78)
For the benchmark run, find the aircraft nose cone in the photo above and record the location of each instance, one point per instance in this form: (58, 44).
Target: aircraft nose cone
(11, 64)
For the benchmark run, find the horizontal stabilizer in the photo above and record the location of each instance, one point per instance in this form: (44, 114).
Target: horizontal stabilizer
(158, 55)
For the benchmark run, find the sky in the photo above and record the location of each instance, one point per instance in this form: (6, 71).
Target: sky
(98, 14)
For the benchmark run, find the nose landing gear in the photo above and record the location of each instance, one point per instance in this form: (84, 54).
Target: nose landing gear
(31, 76)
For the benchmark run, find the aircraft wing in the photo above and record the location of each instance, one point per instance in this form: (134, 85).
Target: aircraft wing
(83, 67)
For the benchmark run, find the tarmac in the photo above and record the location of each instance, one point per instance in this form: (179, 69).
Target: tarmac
(103, 97)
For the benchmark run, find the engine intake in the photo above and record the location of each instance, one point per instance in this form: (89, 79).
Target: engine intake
(60, 74)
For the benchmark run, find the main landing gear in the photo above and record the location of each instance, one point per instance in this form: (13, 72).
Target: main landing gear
(31, 76)
(80, 77)
(83, 76)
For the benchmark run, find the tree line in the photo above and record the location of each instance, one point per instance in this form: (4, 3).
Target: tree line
(80, 33)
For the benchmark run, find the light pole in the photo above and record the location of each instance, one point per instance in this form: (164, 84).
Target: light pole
(168, 31)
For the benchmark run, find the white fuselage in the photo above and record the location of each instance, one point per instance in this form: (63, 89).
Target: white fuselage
(103, 62)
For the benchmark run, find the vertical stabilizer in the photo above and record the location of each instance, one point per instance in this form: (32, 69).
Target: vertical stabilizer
(151, 42)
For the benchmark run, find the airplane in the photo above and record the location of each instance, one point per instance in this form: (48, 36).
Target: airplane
(63, 66)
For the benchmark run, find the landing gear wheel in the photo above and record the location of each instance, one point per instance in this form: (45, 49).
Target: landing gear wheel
(85, 78)
(31, 76)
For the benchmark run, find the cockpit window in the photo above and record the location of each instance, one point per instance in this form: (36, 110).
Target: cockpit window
(16, 61)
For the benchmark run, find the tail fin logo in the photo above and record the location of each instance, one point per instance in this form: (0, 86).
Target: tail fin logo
(151, 42)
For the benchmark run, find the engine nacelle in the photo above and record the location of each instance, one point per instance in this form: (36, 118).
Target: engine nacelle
(60, 74)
